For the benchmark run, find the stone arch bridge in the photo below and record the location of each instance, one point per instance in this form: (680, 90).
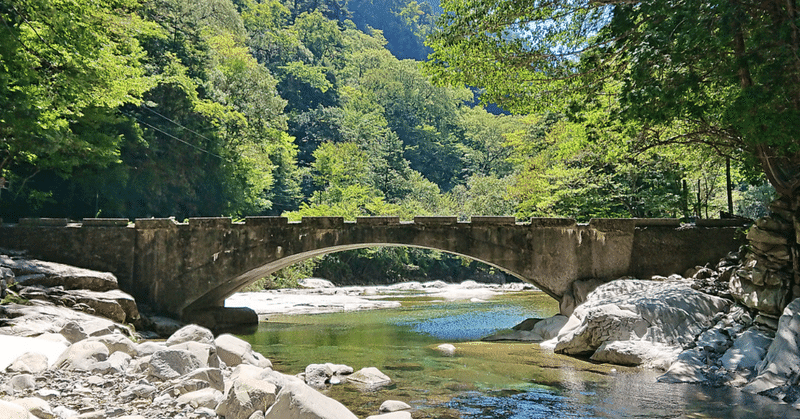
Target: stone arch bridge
(186, 270)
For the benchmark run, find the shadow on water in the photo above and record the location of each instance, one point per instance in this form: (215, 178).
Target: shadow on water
(484, 380)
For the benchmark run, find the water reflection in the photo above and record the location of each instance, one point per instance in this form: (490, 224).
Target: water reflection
(484, 380)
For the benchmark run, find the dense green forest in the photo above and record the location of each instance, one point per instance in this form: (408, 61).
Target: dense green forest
(159, 108)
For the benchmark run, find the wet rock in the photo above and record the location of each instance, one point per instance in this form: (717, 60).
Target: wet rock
(317, 375)
(392, 415)
(299, 401)
(340, 369)
(393, 406)
(687, 369)
(369, 378)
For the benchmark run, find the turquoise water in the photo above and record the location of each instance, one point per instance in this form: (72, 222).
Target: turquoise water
(484, 380)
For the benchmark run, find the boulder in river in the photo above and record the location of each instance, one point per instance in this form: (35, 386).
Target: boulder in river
(670, 313)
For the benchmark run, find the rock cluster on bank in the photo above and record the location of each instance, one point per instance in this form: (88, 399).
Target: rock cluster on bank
(190, 375)
(690, 328)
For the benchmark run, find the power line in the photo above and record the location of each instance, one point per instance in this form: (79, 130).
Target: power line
(176, 138)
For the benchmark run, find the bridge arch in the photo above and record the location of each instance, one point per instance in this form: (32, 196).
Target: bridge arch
(216, 296)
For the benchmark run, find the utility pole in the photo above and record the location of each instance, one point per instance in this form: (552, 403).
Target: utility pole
(729, 186)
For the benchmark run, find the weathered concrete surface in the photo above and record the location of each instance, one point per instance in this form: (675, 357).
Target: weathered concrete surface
(185, 268)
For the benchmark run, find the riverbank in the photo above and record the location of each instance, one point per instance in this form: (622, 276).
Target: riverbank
(321, 296)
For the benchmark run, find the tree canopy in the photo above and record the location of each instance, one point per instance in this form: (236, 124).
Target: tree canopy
(724, 74)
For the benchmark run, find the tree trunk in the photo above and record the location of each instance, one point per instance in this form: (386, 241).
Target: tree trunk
(783, 172)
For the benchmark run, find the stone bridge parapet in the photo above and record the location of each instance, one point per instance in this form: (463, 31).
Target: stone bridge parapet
(180, 269)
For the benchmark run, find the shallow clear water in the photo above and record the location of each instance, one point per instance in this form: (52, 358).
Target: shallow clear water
(484, 380)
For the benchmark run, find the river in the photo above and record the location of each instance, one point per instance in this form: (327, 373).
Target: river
(483, 380)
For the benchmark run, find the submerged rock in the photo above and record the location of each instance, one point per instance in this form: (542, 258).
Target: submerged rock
(369, 378)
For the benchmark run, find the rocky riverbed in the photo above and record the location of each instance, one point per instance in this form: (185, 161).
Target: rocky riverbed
(69, 348)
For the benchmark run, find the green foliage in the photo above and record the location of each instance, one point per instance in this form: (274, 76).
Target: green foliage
(66, 67)
(722, 74)
(287, 277)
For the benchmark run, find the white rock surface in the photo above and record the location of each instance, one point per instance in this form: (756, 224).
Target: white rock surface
(670, 313)
(207, 397)
(10, 410)
(393, 406)
(446, 349)
(234, 351)
(369, 378)
(687, 369)
(392, 415)
(637, 353)
(16, 346)
(29, 363)
(245, 396)
(191, 333)
(82, 356)
(172, 363)
(36, 407)
(299, 401)
(748, 350)
(782, 360)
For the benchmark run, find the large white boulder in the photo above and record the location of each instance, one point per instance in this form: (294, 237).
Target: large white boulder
(191, 333)
(234, 351)
(29, 363)
(117, 342)
(296, 400)
(670, 313)
(82, 356)
(172, 363)
(246, 396)
(782, 360)
(207, 397)
(206, 353)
